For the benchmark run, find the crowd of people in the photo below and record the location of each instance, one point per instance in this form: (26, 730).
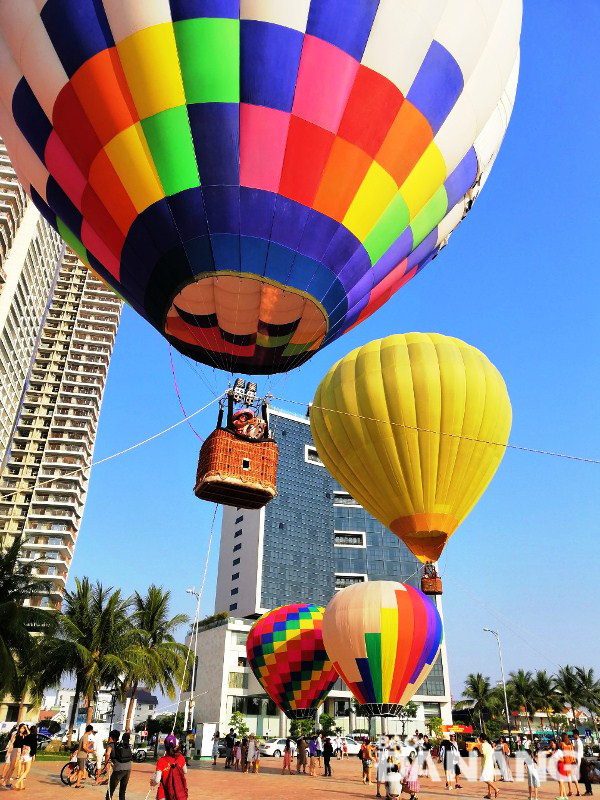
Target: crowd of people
(20, 754)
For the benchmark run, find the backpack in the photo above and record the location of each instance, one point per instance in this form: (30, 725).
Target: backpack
(174, 783)
(122, 753)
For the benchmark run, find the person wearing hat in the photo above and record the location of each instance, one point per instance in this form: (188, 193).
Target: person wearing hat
(86, 746)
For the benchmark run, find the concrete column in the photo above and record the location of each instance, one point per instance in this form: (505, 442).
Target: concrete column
(384, 726)
(318, 716)
(352, 719)
(282, 725)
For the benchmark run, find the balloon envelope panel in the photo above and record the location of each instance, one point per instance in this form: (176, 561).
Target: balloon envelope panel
(383, 638)
(286, 653)
(255, 177)
(414, 426)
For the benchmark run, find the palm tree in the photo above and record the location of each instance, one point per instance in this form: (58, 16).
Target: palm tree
(154, 657)
(17, 621)
(522, 693)
(590, 692)
(94, 632)
(569, 688)
(480, 696)
(548, 699)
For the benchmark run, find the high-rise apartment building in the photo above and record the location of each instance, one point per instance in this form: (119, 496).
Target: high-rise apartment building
(57, 330)
(312, 540)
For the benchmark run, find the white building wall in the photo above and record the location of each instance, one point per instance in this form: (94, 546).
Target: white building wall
(240, 595)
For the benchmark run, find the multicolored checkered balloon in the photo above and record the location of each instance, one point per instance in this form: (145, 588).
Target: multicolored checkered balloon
(285, 650)
(255, 177)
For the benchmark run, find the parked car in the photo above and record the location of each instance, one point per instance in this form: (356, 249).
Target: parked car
(352, 744)
(275, 747)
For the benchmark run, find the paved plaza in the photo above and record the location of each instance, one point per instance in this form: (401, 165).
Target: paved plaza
(217, 783)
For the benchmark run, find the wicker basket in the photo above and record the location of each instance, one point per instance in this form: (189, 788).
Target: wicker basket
(431, 585)
(236, 472)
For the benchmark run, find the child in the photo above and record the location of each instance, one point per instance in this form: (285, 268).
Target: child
(237, 755)
(411, 778)
(533, 778)
(393, 784)
(345, 749)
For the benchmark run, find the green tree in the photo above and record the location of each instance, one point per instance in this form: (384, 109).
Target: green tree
(18, 622)
(154, 658)
(238, 723)
(548, 699)
(522, 694)
(569, 687)
(409, 711)
(480, 697)
(92, 637)
(434, 726)
(327, 723)
(301, 727)
(590, 693)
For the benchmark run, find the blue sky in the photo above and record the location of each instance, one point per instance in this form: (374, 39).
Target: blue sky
(519, 280)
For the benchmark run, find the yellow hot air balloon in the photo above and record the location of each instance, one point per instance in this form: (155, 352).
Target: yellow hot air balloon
(414, 426)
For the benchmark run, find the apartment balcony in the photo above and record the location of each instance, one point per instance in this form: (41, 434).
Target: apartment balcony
(45, 544)
(58, 579)
(34, 529)
(50, 512)
(61, 563)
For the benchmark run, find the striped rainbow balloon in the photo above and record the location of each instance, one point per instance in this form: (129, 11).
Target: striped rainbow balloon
(383, 639)
(255, 177)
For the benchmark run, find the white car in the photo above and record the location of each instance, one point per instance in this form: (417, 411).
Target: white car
(352, 744)
(275, 747)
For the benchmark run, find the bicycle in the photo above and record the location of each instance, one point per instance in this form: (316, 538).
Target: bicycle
(68, 773)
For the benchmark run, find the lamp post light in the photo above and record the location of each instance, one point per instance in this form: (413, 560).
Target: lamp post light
(497, 635)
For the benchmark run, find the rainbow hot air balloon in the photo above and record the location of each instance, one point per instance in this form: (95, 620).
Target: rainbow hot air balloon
(414, 426)
(285, 650)
(255, 177)
(383, 639)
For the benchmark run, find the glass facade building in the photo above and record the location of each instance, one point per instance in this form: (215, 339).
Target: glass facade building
(310, 541)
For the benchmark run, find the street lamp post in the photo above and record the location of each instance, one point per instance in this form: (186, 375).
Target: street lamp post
(497, 635)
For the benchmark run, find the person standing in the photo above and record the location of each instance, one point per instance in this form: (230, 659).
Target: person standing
(449, 758)
(487, 769)
(411, 780)
(121, 758)
(215, 747)
(170, 772)
(105, 772)
(425, 756)
(12, 756)
(319, 748)
(367, 756)
(28, 753)
(244, 761)
(327, 753)
(86, 746)
(383, 754)
(312, 756)
(99, 751)
(569, 761)
(533, 778)
(578, 752)
(229, 743)
(252, 752)
(287, 757)
(301, 755)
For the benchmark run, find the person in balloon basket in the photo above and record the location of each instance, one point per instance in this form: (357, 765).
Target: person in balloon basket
(170, 773)
(327, 754)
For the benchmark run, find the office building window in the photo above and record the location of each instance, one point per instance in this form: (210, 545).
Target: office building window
(238, 704)
(349, 539)
(239, 519)
(235, 576)
(237, 547)
(237, 533)
(236, 561)
(311, 456)
(233, 607)
(234, 591)
(242, 661)
(238, 680)
(240, 638)
(341, 581)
